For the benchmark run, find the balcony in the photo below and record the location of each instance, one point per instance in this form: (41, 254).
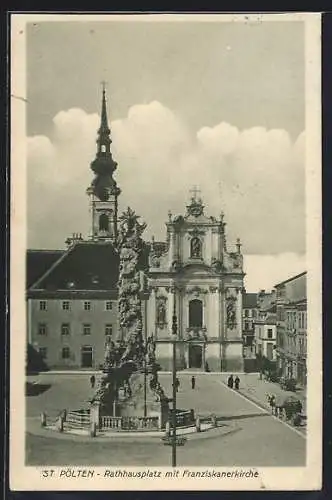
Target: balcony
(196, 333)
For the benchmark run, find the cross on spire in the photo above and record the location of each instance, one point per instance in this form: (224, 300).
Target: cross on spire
(195, 191)
(195, 206)
(103, 84)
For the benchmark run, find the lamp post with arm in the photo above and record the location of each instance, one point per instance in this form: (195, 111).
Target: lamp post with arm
(174, 334)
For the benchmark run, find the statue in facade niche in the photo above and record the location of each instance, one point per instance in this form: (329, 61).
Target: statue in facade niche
(161, 313)
(196, 248)
(231, 313)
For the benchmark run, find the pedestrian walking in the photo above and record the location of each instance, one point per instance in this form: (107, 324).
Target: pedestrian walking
(193, 382)
(92, 381)
(177, 384)
(207, 368)
(237, 383)
(230, 381)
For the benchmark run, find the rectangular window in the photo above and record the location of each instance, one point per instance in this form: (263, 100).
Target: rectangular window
(246, 325)
(65, 329)
(42, 305)
(246, 313)
(86, 329)
(42, 329)
(108, 305)
(66, 305)
(269, 333)
(87, 305)
(65, 353)
(108, 329)
(43, 352)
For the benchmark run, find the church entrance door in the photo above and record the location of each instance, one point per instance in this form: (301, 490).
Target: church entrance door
(195, 356)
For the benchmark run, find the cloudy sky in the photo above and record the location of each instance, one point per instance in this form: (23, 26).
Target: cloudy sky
(218, 105)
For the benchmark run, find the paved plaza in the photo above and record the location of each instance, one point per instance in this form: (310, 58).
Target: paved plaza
(252, 438)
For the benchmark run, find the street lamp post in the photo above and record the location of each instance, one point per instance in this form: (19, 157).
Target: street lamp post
(174, 332)
(145, 409)
(145, 354)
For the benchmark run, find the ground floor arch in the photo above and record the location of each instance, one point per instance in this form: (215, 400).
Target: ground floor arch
(195, 356)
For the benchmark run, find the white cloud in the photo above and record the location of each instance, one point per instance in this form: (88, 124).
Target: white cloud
(265, 271)
(256, 176)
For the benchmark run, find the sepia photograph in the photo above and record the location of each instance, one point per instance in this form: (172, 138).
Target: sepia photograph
(165, 263)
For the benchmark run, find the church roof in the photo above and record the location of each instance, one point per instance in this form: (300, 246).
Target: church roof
(249, 301)
(38, 262)
(85, 266)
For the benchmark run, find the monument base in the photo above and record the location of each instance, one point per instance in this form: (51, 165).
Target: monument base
(143, 400)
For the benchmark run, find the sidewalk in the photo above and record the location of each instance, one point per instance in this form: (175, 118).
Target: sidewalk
(255, 389)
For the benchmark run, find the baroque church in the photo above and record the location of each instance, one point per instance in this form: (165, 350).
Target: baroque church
(72, 294)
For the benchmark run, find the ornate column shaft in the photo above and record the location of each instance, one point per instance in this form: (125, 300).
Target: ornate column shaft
(239, 313)
(171, 252)
(222, 315)
(170, 307)
(152, 312)
(217, 307)
(212, 327)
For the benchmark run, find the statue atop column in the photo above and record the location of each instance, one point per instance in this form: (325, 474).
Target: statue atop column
(126, 361)
(130, 247)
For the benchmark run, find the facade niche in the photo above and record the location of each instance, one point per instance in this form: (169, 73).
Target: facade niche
(195, 248)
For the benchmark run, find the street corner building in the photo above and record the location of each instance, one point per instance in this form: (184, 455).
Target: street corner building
(291, 305)
(72, 294)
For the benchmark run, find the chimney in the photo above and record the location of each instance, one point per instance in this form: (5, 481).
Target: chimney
(73, 239)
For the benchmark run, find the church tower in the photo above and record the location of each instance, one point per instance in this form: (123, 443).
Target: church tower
(104, 191)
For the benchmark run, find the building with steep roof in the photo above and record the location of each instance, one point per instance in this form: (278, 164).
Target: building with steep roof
(72, 295)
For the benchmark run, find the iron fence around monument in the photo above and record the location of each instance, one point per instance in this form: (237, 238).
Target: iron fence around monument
(129, 423)
(77, 418)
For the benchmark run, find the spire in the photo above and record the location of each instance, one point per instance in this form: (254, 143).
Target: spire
(104, 165)
(104, 132)
(104, 128)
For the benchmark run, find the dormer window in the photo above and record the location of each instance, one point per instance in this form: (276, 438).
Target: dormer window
(196, 248)
(95, 280)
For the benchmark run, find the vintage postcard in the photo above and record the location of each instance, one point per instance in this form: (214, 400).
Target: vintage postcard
(165, 301)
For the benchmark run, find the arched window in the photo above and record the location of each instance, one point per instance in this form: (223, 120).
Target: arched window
(195, 313)
(103, 223)
(195, 248)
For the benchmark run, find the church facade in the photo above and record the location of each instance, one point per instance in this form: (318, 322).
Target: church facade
(195, 277)
(72, 294)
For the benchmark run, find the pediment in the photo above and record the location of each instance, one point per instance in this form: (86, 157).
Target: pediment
(196, 268)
